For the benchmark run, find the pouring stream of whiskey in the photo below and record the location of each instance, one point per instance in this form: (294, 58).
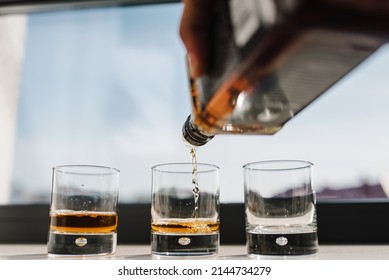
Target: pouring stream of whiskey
(195, 186)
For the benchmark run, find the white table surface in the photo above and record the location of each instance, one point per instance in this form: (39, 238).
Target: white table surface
(142, 252)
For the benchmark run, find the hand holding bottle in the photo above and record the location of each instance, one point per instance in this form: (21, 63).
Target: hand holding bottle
(194, 32)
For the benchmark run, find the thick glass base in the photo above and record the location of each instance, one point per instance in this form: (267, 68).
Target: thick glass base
(81, 244)
(185, 245)
(282, 244)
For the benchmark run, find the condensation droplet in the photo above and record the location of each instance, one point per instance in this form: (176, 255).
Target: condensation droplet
(184, 241)
(81, 241)
(282, 241)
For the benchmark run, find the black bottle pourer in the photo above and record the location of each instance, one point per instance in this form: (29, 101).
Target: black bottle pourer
(192, 135)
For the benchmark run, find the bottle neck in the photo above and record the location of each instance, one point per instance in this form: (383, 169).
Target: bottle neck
(192, 135)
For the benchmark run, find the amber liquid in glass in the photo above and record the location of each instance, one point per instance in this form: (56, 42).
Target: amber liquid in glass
(82, 233)
(83, 221)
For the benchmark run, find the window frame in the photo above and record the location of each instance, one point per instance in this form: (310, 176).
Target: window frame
(339, 221)
(29, 6)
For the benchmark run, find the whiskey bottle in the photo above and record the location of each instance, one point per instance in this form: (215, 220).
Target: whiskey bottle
(272, 58)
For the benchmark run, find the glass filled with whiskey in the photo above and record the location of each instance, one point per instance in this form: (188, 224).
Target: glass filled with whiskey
(280, 207)
(185, 209)
(83, 216)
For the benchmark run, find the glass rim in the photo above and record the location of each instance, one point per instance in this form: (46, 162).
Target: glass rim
(277, 165)
(161, 167)
(76, 169)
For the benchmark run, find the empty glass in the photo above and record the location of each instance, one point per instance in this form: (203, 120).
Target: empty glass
(280, 207)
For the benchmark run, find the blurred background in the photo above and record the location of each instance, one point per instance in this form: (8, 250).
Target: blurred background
(108, 86)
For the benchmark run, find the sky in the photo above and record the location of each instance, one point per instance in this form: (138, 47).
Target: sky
(109, 87)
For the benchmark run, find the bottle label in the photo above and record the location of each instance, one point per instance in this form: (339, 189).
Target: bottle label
(247, 16)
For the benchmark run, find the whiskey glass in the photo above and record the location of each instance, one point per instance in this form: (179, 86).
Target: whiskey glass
(280, 207)
(83, 216)
(185, 209)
